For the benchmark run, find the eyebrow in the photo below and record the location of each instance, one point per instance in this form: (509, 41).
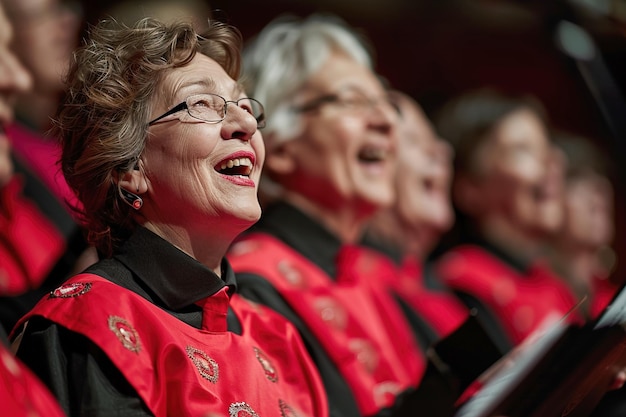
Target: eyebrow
(207, 83)
(211, 86)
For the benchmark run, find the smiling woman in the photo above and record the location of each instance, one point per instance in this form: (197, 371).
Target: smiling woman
(156, 327)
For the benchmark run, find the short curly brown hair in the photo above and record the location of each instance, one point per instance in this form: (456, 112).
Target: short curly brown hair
(102, 122)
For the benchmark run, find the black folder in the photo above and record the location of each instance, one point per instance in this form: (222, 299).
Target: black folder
(565, 372)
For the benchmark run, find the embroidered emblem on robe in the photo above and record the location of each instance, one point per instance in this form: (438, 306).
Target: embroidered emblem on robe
(270, 371)
(207, 367)
(331, 312)
(125, 333)
(386, 391)
(291, 274)
(286, 410)
(71, 290)
(241, 409)
(365, 353)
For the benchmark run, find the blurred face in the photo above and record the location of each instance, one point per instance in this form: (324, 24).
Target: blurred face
(46, 33)
(345, 154)
(208, 171)
(522, 175)
(424, 175)
(588, 212)
(13, 80)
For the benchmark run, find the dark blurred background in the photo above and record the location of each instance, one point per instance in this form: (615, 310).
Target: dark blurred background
(570, 54)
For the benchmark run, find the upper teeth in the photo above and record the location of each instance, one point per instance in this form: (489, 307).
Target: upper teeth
(236, 163)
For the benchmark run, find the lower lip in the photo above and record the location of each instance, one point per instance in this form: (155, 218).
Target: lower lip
(244, 181)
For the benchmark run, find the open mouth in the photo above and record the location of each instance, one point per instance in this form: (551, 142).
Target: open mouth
(235, 167)
(371, 155)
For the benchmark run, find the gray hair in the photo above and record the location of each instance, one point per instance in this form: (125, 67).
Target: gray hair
(284, 55)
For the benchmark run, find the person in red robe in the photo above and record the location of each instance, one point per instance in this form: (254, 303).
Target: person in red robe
(53, 247)
(422, 213)
(580, 250)
(163, 148)
(507, 189)
(21, 393)
(331, 141)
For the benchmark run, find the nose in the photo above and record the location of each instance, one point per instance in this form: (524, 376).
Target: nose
(238, 123)
(382, 116)
(444, 151)
(14, 79)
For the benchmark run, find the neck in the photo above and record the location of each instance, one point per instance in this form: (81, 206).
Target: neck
(510, 239)
(207, 250)
(388, 227)
(577, 264)
(347, 223)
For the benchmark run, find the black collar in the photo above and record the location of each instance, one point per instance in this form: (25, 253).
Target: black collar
(176, 278)
(302, 233)
(516, 263)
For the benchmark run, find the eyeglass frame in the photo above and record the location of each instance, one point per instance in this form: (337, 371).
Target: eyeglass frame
(335, 98)
(185, 106)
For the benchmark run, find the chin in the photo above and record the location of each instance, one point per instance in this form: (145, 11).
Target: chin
(251, 216)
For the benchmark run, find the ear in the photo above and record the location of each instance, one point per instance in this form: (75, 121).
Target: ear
(281, 160)
(134, 180)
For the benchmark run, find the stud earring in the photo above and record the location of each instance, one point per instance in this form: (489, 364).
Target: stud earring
(131, 199)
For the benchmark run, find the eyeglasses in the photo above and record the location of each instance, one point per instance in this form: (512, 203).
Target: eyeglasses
(349, 99)
(211, 108)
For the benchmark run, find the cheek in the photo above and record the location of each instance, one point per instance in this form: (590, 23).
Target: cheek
(522, 171)
(182, 158)
(259, 149)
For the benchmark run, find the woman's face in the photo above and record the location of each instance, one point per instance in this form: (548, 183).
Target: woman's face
(13, 80)
(186, 161)
(423, 177)
(588, 212)
(522, 175)
(46, 34)
(344, 156)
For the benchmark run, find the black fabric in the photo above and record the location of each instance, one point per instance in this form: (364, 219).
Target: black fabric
(301, 233)
(422, 330)
(79, 374)
(466, 353)
(489, 321)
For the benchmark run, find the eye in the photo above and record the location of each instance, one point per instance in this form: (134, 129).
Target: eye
(354, 99)
(246, 105)
(198, 101)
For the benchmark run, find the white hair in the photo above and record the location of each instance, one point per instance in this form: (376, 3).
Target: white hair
(284, 55)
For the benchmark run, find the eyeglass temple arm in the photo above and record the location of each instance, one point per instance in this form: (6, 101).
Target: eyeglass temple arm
(181, 106)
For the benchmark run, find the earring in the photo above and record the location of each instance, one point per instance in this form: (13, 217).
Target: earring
(131, 199)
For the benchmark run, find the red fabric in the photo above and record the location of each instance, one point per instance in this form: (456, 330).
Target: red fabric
(362, 330)
(21, 393)
(41, 155)
(266, 370)
(30, 245)
(520, 301)
(603, 292)
(441, 309)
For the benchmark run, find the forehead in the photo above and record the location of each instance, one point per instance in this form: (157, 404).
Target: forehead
(201, 75)
(414, 122)
(522, 127)
(27, 6)
(5, 27)
(341, 71)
